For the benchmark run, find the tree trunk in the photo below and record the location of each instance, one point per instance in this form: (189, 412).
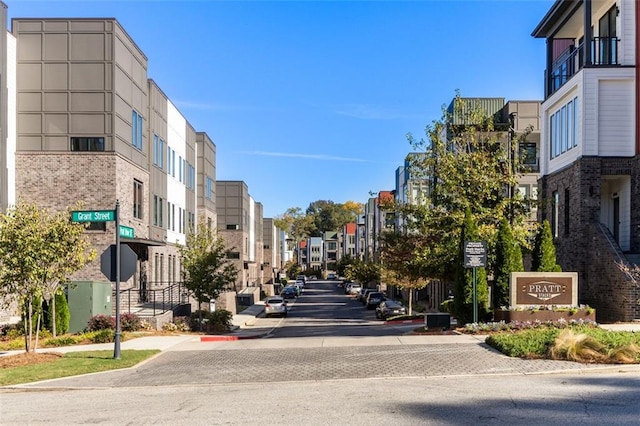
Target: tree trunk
(410, 301)
(53, 315)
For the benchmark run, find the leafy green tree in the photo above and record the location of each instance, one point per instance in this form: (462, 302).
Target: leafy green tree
(472, 167)
(207, 269)
(39, 251)
(363, 272)
(400, 266)
(463, 288)
(343, 263)
(544, 252)
(508, 259)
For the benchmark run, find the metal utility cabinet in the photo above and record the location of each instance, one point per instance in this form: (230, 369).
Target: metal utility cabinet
(86, 299)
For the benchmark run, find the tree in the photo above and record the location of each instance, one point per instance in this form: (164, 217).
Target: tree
(467, 163)
(343, 263)
(363, 272)
(39, 251)
(544, 252)
(207, 269)
(400, 266)
(508, 259)
(59, 321)
(463, 288)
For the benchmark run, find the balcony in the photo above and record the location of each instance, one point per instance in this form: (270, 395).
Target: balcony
(604, 53)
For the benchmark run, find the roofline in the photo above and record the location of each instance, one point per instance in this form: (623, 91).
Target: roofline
(560, 6)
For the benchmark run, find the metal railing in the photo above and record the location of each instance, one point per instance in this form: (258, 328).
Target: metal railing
(162, 298)
(603, 52)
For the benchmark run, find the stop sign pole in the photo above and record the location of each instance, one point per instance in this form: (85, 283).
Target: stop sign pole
(116, 349)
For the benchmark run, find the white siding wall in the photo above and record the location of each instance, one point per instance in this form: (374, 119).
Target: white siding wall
(615, 118)
(11, 119)
(627, 31)
(176, 191)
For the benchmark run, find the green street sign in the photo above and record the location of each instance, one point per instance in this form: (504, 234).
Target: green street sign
(126, 232)
(93, 216)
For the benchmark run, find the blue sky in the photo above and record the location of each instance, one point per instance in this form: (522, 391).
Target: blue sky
(313, 100)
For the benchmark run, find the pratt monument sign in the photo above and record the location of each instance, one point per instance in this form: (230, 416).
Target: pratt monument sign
(544, 288)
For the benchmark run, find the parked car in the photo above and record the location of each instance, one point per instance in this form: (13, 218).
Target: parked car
(332, 277)
(363, 294)
(296, 288)
(300, 283)
(374, 298)
(302, 278)
(389, 308)
(289, 293)
(354, 288)
(275, 305)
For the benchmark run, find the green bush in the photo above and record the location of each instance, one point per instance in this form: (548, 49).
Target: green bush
(66, 340)
(447, 306)
(62, 315)
(220, 320)
(102, 336)
(12, 331)
(130, 322)
(101, 322)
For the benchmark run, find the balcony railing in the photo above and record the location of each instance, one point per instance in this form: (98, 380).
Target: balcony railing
(604, 52)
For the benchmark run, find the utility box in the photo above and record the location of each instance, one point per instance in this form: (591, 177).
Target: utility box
(438, 320)
(86, 299)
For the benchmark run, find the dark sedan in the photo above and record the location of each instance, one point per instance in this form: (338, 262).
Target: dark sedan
(390, 308)
(289, 293)
(374, 298)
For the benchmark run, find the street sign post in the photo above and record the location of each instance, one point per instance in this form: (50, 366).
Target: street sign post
(475, 256)
(93, 216)
(126, 232)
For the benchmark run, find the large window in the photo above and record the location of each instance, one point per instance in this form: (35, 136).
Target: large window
(555, 213)
(136, 127)
(563, 129)
(208, 190)
(157, 210)
(191, 176)
(158, 151)
(87, 144)
(137, 199)
(171, 162)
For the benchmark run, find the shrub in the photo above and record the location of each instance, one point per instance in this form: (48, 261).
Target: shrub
(62, 315)
(130, 322)
(220, 320)
(11, 331)
(102, 336)
(447, 306)
(101, 322)
(182, 323)
(62, 341)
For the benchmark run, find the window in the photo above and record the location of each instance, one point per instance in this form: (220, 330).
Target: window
(161, 267)
(191, 177)
(233, 255)
(180, 168)
(171, 162)
(180, 220)
(157, 210)
(87, 144)
(563, 129)
(136, 126)
(170, 267)
(156, 268)
(209, 223)
(169, 215)
(233, 227)
(137, 199)
(208, 190)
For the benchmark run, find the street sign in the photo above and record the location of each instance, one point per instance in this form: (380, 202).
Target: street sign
(475, 254)
(126, 231)
(128, 262)
(93, 216)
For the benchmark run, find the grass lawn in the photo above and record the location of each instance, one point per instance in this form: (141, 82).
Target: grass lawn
(53, 366)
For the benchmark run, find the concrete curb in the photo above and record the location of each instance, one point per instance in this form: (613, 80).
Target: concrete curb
(227, 338)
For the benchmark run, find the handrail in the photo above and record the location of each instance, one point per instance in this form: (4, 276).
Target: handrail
(159, 300)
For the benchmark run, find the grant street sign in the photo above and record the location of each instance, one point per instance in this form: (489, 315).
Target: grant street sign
(475, 254)
(126, 231)
(93, 216)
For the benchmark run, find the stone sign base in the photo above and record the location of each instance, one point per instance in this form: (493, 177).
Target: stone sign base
(543, 315)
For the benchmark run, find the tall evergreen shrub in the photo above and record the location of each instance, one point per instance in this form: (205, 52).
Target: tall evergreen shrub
(508, 259)
(544, 252)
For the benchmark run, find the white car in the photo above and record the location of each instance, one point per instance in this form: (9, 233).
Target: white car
(354, 288)
(275, 305)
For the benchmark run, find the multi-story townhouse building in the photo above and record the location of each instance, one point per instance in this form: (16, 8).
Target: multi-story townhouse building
(301, 250)
(258, 238)
(7, 112)
(272, 263)
(92, 127)
(361, 236)
(206, 173)
(314, 249)
(590, 162)
(411, 187)
(349, 240)
(238, 216)
(287, 247)
(370, 235)
(331, 250)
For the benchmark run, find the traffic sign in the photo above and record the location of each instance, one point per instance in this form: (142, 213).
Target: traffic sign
(93, 216)
(128, 262)
(126, 231)
(475, 254)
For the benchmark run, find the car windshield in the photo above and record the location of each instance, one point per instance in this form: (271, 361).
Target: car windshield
(274, 301)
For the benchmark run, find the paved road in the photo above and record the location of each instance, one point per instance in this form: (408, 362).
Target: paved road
(333, 374)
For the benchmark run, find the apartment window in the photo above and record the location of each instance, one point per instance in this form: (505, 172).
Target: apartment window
(209, 223)
(137, 199)
(161, 267)
(180, 168)
(169, 215)
(87, 144)
(331, 245)
(180, 220)
(567, 217)
(158, 151)
(191, 177)
(233, 227)
(233, 255)
(173, 217)
(208, 190)
(136, 127)
(158, 205)
(170, 267)
(554, 214)
(563, 129)
(171, 162)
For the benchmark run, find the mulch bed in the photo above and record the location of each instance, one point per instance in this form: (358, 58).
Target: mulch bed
(28, 358)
